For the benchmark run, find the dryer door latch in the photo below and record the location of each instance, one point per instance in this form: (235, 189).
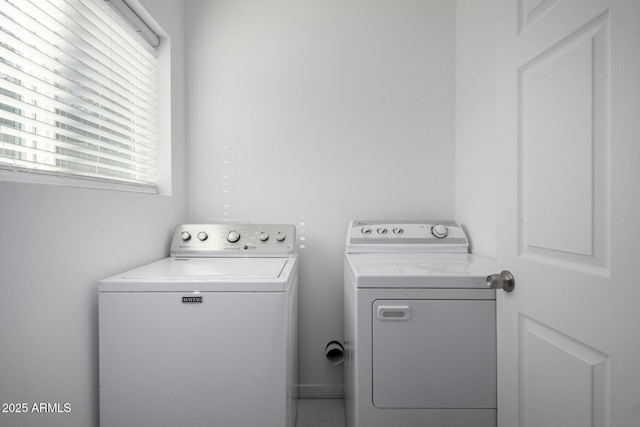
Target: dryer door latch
(394, 312)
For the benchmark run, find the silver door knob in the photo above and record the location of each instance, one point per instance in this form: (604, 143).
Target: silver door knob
(504, 281)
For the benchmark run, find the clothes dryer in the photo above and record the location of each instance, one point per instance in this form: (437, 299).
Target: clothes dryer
(205, 337)
(420, 335)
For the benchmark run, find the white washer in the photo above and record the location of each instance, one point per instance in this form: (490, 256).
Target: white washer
(205, 337)
(420, 335)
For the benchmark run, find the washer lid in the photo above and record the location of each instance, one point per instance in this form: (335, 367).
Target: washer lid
(420, 270)
(209, 269)
(206, 274)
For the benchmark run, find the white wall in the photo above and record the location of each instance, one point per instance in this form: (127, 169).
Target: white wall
(476, 149)
(324, 110)
(315, 113)
(55, 244)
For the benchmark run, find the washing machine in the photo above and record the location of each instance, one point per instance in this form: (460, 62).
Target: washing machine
(206, 336)
(420, 327)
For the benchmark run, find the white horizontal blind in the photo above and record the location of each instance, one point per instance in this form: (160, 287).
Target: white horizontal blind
(78, 93)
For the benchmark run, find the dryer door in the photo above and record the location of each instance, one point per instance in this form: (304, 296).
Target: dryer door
(434, 354)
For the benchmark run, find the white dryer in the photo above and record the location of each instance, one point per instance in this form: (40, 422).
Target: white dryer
(420, 327)
(205, 337)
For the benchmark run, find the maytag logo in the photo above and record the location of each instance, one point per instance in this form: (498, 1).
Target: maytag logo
(190, 300)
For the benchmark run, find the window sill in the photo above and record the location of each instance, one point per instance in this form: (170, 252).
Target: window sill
(53, 178)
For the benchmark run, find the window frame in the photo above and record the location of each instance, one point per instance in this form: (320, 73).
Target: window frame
(162, 180)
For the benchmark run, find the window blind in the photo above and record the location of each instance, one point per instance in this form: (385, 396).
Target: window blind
(78, 93)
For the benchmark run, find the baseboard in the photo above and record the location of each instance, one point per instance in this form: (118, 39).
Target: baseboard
(320, 391)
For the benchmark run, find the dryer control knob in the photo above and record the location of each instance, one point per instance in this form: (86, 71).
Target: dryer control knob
(185, 236)
(280, 236)
(440, 231)
(264, 236)
(233, 236)
(203, 236)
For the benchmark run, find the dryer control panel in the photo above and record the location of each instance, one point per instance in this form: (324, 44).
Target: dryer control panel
(406, 236)
(235, 240)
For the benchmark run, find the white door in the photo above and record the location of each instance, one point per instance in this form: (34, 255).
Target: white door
(569, 212)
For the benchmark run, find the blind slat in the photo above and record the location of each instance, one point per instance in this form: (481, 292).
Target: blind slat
(129, 91)
(70, 162)
(80, 103)
(121, 152)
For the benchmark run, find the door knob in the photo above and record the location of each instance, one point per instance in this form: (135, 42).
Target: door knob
(504, 281)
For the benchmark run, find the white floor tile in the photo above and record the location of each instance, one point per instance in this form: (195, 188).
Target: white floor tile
(321, 413)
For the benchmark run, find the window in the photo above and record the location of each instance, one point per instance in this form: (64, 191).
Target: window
(78, 94)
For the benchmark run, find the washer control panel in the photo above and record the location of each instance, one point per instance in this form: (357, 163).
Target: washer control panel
(406, 236)
(214, 240)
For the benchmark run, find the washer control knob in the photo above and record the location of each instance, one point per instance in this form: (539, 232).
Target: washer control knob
(366, 231)
(202, 236)
(185, 236)
(280, 236)
(398, 230)
(264, 236)
(382, 230)
(440, 231)
(233, 237)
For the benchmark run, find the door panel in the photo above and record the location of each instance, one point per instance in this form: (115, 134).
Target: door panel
(563, 148)
(568, 225)
(565, 377)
